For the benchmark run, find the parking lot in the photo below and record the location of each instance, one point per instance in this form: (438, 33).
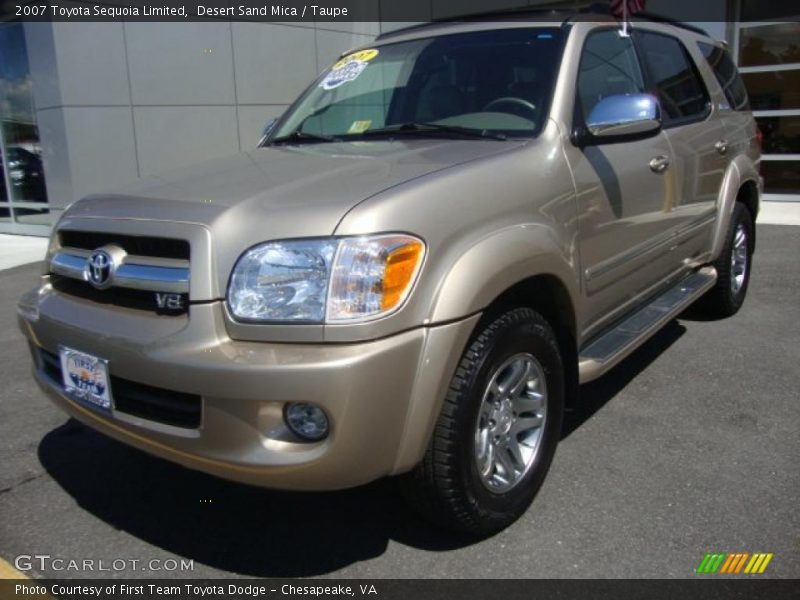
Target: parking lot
(689, 446)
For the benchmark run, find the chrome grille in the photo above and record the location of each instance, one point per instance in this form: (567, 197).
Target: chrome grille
(136, 272)
(136, 280)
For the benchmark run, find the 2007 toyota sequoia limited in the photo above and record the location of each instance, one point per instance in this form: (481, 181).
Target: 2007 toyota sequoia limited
(438, 241)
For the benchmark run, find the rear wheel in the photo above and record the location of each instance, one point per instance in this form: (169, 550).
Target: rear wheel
(501, 420)
(733, 267)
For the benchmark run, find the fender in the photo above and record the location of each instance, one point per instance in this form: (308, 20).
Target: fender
(741, 170)
(481, 274)
(500, 261)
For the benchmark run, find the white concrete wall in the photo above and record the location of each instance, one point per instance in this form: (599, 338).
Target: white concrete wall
(119, 101)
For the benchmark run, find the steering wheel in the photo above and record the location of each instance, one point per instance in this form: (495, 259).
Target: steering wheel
(514, 102)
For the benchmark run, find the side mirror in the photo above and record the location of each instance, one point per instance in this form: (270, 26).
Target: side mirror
(270, 125)
(624, 115)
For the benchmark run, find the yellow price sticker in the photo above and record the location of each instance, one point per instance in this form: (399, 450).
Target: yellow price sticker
(361, 55)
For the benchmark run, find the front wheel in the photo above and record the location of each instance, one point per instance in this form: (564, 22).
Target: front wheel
(501, 421)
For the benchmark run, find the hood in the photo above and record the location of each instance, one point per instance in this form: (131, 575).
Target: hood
(283, 191)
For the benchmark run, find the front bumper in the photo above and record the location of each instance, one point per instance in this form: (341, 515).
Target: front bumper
(382, 397)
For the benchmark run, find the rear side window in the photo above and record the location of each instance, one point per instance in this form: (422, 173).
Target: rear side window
(673, 77)
(608, 66)
(727, 75)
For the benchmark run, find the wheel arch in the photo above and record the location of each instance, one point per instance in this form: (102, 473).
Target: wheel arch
(521, 266)
(741, 183)
(549, 296)
(546, 294)
(524, 263)
(519, 269)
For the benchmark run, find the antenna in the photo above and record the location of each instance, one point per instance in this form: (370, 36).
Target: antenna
(624, 32)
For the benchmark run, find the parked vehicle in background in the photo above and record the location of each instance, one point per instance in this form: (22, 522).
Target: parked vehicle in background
(446, 234)
(25, 175)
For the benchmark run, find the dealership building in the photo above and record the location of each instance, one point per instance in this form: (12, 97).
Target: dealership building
(87, 107)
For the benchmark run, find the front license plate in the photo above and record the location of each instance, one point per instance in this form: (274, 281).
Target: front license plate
(85, 377)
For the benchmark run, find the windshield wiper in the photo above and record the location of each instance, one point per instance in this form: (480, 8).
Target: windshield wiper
(302, 136)
(416, 127)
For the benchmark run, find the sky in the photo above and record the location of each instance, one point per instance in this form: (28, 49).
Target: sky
(15, 83)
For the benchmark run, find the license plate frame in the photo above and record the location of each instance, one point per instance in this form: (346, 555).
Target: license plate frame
(85, 378)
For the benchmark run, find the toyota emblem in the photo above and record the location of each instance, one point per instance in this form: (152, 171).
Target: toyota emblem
(99, 269)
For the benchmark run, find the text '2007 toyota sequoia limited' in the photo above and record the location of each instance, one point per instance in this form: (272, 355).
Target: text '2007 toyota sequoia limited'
(447, 233)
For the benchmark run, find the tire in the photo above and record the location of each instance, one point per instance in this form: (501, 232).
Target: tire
(733, 267)
(477, 425)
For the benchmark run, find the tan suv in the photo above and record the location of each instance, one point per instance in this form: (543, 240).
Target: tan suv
(439, 240)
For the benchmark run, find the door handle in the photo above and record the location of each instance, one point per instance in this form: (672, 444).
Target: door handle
(659, 164)
(721, 146)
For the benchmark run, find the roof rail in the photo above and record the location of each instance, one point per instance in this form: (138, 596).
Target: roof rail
(662, 19)
(605, 9)
(564, 14)
(492, 15)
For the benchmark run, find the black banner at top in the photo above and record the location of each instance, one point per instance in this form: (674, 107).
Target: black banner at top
(386, 11)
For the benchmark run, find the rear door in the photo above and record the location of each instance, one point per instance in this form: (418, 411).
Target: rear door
(732, 102)
(696, 135)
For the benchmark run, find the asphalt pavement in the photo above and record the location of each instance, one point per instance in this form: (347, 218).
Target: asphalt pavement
(689, 446)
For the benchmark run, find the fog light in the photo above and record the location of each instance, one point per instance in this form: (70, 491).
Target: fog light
(306, 420)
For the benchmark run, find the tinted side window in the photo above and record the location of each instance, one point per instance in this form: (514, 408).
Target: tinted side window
(673, 76)
(727, 75)
(608, 66)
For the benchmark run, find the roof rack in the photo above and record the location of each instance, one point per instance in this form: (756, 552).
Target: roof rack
(604, 9)
(505, 14)
(564, 14)
(662, 19)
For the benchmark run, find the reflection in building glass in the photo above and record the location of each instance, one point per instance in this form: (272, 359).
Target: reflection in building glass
(23, 194)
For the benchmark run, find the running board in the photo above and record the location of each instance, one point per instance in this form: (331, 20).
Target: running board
(606, 351)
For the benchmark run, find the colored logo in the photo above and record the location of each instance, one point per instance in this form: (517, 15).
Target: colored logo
(349, 71)
(85, 376)
(734, 563)
(348, 68)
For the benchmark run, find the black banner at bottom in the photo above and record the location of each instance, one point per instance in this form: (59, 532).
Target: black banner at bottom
(398, 589)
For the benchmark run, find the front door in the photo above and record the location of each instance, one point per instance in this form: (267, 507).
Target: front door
(625, 191)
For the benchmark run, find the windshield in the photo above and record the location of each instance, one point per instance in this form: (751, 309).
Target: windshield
(497, 81)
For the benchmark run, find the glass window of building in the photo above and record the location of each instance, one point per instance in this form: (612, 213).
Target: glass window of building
(768, 54)
(23, 193)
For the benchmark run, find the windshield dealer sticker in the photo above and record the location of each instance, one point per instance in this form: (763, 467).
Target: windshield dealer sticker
(360, 126)
(348, 68)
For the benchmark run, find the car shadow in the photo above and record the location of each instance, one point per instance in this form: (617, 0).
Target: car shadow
(251, 531)
(698, 314)
(230, 526)
(596, 394)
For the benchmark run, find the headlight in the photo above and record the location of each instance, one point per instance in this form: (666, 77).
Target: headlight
(282, 281)
(325, 280)
(373, 275)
